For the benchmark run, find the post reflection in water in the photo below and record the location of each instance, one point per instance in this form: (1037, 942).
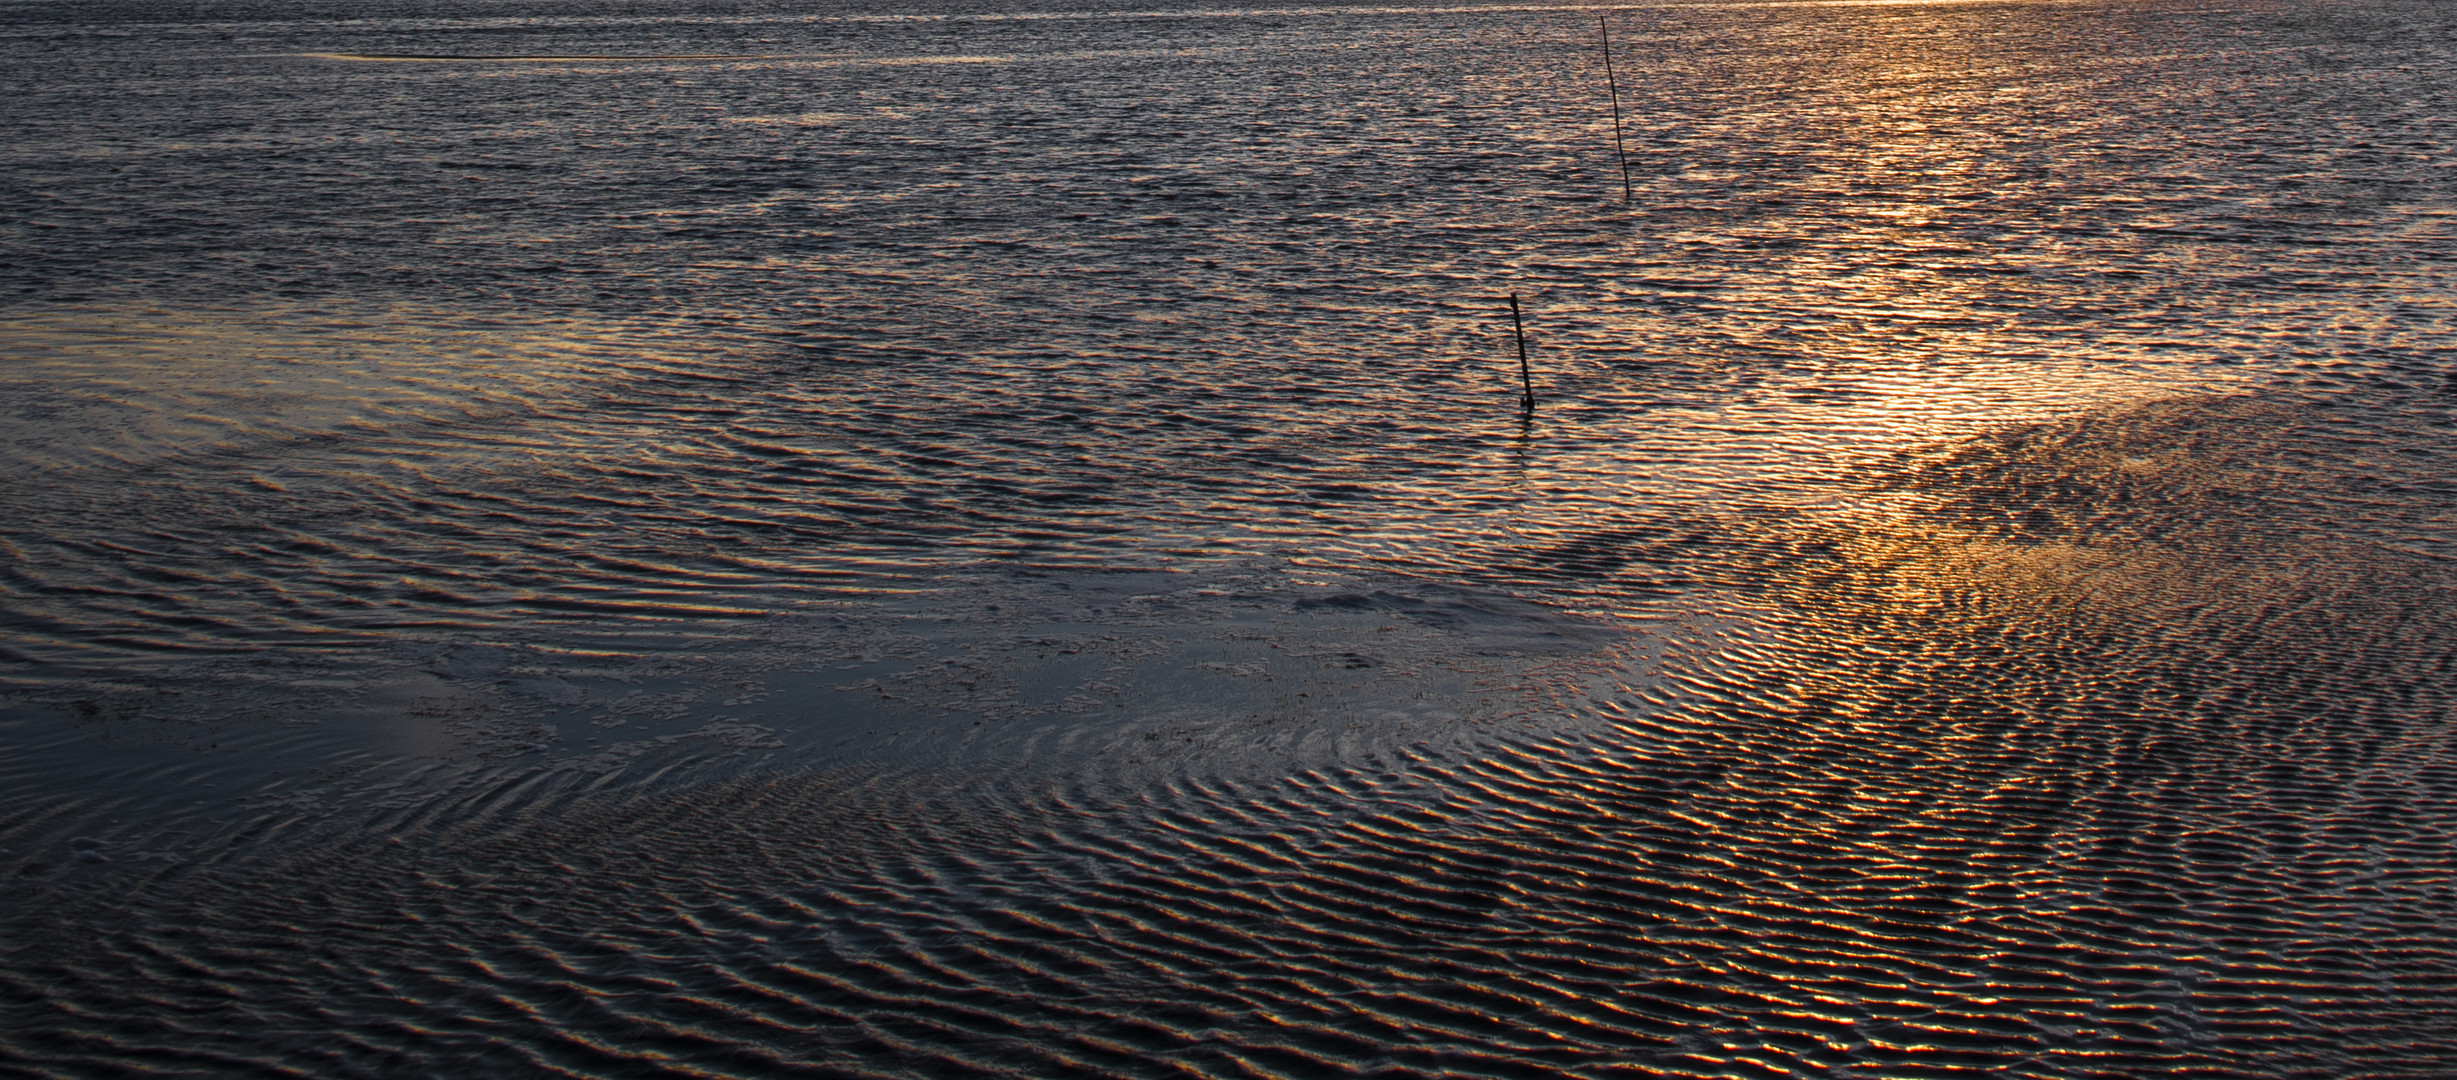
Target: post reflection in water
(947, 540)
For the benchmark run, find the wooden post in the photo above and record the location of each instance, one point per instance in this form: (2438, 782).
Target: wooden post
(1527, 383)
(1615, 86)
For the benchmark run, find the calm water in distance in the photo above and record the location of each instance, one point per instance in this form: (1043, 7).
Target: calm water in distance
(947, 539)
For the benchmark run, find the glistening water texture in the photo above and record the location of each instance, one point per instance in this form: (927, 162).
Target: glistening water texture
(703, 539)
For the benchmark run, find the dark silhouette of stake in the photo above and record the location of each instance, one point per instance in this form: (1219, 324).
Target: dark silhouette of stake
(1615, 86)
(1527, 382)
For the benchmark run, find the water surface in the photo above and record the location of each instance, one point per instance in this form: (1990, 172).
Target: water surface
(956, 540)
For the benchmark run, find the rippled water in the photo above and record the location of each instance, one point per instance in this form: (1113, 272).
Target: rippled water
(731, 539)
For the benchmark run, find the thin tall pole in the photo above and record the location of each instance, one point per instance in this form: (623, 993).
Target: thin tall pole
(1615, 85)
(1527, 382)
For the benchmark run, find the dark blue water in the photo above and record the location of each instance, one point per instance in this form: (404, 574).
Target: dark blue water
(703, 539)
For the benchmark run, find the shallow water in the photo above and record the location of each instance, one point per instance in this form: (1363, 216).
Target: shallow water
(942, 540)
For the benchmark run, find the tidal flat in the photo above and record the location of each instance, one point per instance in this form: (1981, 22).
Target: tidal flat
(959, 539)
